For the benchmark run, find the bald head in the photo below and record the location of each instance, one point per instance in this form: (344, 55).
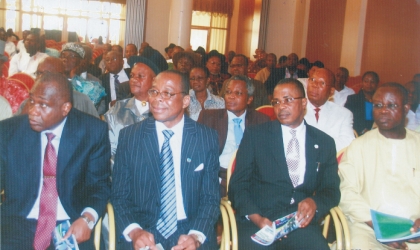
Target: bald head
(50, 64)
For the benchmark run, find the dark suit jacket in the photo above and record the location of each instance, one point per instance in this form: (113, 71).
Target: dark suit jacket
(136, 177)
(261, 182)
(218, 119)
(82, 168)
(278, 74)
(123, 91)
(356, 104)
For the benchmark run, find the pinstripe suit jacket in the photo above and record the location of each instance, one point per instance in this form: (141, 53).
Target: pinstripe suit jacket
(136, 176)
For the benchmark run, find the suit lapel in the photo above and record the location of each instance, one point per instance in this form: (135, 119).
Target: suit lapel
(151, 146)
(277, 148)
(311, 151)
(68, 142)
(189, 140)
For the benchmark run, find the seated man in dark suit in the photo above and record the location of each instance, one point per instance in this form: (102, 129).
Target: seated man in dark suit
(232, 121)
(165, 178)
(290, 71)
(282, 167)
(115, 81)
(54, 165)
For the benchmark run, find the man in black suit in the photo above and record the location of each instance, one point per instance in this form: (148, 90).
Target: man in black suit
(290, 71)
(282, 167)
(166, 190)
(238, 95)
(115, 81)
(55, 151)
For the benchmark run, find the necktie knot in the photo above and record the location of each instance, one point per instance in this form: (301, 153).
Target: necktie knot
(237, 121)
(116, 77)
(167, 134)
(317, 113)
(50, 136)
(293, 132)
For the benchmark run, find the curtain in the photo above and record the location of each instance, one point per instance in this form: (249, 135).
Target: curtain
(215, 6)
(134, 22)
(262, 38)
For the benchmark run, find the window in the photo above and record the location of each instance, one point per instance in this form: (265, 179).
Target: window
(209, 30)
(89, 19)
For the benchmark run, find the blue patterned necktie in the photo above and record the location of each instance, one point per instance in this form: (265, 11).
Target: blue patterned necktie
(167, 223)
(116, 83)
(238, 131)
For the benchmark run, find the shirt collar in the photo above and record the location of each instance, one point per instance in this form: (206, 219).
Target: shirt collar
(299, 129)
(178, 128)
(57, 131)
(310, 105)
(231, 115)
(119, 73)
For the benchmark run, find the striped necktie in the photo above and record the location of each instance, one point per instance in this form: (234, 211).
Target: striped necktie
(167, 223)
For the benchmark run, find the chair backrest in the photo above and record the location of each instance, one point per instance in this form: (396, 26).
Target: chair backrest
(15, 92)
(25, 78)
(267, 110)
(231, 168)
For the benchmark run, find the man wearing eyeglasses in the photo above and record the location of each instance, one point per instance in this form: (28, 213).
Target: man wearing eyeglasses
(232, 121)
(380, 170)
(285, 166)
(325, 115)
(165, 179)
(239, 66)
(116, 80)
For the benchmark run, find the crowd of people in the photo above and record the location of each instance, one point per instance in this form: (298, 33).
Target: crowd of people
(170, 126)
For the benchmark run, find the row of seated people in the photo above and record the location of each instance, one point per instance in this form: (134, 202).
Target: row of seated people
(231, 90)
(145, 209)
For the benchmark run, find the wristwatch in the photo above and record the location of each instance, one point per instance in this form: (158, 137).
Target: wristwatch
(90, 223)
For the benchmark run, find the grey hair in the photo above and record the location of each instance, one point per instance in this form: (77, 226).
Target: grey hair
(248, 81)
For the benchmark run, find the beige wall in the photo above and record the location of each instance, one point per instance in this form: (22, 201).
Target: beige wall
(325, 32)
(392, 37)
(157, 24)
(287, 27)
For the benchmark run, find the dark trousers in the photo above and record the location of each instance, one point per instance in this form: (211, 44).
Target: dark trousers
(309, 237)
(19, 232)
(182, 228)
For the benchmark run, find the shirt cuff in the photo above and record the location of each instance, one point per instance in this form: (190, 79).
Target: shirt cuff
(198, 233)
(92, 212)
(128, 230)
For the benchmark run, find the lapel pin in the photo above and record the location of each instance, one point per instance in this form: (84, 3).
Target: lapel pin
(188, 160)
(316, 145)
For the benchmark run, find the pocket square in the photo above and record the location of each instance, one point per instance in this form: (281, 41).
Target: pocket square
(199, 168)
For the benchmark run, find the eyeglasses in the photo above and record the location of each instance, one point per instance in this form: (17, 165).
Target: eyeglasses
(198, 79)
(286, 100)
(110, 60)
(165, 95)
(69, 56)
(391, 106)
(317, 82)
(235, 65)
(235, 93)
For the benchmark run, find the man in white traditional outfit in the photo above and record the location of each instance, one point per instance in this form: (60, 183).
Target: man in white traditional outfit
(381, 171)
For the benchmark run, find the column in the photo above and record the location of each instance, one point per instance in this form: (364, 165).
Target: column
(180, 22)
(353, 35)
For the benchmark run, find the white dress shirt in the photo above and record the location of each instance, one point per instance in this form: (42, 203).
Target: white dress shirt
(230, 146)
(61, 212)
(176, 144)
(301, 137)
(412, 122)
(122, 77)
(340, 97)
(21, 46)
(10, 48)
(142, 109)
(334, 120)
(24, 63)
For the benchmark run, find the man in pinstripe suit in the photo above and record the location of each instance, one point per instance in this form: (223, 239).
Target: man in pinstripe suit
(136, 191)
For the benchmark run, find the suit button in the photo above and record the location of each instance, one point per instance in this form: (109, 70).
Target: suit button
(292, 201)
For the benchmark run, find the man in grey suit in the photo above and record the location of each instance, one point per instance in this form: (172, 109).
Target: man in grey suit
(165, 179)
